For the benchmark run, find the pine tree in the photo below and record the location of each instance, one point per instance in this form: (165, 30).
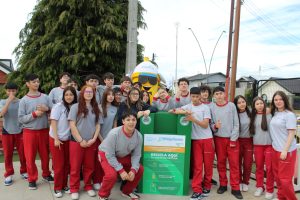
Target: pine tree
(80, 37)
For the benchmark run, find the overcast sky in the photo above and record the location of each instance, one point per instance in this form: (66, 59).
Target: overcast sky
(269, 35)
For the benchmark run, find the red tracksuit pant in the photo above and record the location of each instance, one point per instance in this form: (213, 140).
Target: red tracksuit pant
(9, 141)
(110, 175)
(283, 173)
(98, 173)
(203, 156)
(246, 159)
(61, 163)
(224, 152)
(81, 158)
(263, 157)
(36, 141)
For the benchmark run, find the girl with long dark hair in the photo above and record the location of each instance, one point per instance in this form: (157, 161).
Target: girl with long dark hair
(109, 110)
(134, 104)
(283, 128)
(60, 134)
(145, 97)
(245, 140)
(259, 128)
(84, 118)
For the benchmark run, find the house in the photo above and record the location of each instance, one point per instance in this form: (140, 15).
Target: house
(6, 67)
(246, 83)
(213, 79)
(243, 84)
(291, 87)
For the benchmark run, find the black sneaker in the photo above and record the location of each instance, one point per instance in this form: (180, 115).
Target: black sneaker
(67, 190)
(222, 189)
(122, 184)
(196, 196)
(237, 194)
(214, 182)
(205, 192)
(49, 179)
(32, 186)
(132, 195)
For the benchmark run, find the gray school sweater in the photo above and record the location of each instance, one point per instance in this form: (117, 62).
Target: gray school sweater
(262, 137)
(11, 124)
(27, 106)
(228, 116)
(117, 144)
(244, 122)
(56, 95)
(163, 106)
(182, 101)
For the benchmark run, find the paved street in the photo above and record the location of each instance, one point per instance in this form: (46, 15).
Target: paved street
(19, 191)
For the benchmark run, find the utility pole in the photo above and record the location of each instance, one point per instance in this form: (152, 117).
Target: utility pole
(229, 50)
(176, 58)
(131, 49)
(235, 49)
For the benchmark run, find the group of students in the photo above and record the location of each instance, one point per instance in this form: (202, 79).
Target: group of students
(94, 132)
(237, 134)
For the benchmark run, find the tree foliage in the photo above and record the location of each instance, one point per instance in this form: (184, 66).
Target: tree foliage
(77, 36)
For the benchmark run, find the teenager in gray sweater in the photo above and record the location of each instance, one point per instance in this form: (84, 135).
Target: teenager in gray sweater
(120, 154)
(109, 80)
(259, 128)
(283, 127)
(162, 101)
(85, 119)
(182, 96)
(11, 133)
(33, 115)
(226, 127)
(246, 142)
(56, 93)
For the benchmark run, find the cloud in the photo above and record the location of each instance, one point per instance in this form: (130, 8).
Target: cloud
(268, 35)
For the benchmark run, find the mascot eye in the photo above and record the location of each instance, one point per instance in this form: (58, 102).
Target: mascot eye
(152, 80)
(144, 79)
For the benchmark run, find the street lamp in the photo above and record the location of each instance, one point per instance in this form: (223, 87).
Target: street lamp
(200, 49)
(212, 55)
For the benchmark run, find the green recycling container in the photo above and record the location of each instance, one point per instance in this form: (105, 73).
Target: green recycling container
(166, 154)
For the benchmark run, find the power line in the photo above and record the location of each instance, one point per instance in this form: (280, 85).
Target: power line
(284, 35)
(269, 20)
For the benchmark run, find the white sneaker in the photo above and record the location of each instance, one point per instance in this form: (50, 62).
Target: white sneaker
(245, 187)
(132, 195)
(74, 196)
(103, 198)
(91, 193)
(8, 181)
(24, 176)
(269, 195)
(58, 193)
(241, 187)
(96, 186)
(258, 191)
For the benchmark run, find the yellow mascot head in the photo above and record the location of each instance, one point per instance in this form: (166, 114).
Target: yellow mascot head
(147, 74)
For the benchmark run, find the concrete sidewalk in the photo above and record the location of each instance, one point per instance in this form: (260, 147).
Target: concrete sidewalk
(19, 191)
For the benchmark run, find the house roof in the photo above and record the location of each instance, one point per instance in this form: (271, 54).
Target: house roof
(7, 65)
(253, 78)
(204, 76)
(291, 85)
